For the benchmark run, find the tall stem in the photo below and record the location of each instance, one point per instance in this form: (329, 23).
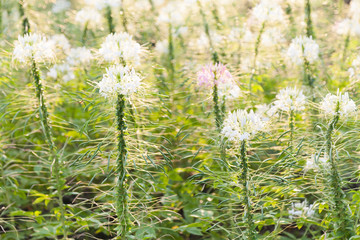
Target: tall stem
(245, 182)
(124, 17)
(215, 56)
(83, 38)
(171, 56)
(121, 191)
(289, 12)
(218, 119)
(346, 46)
(25, 20)
(256, 53)
(309, 26)
(291, 127)
(48, 135)
(344, 226)
(110, 19)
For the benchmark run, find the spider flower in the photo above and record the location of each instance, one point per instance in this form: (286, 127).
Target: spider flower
(217, 74)
(88, 17)
(290, 99)
(120, 47)
(241, 125)
(33, 46)
(338, 104)
(119, 80)
(303, 48)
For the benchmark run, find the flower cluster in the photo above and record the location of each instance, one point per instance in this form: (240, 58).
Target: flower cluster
(338, 104)
(290, 99)
(354, 70)
(241, 125)
(268, 11)
(61, 6)
(348, 26)
(119, 47)
(303, 48)
(301, 209)
(33, 46)
(64, 69)
(88, 17)
(219, 75)
(119, 80)
(79, 56)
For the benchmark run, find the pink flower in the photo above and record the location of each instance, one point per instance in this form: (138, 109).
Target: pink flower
(213, 74)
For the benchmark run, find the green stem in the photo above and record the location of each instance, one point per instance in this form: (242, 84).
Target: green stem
(121, 190)
(288, 11)
(123, 17)
(83, 38)
(25, 20)
(291, 127)
(346, 46)
(256, 53)
(344, 225)
(171, 56)
(48, 135)
(215, 14)
(215, 56)
(245, 181)
(110, 20)
(309, 25)
(217, 112)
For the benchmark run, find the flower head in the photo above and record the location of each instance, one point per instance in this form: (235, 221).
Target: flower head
(219, 75)
(79, 56)
(65, 70)
(89, 17)
(33, 46)
(338, 104)
(303, 48)
(119, 80)
(301, 209)
(60, 6)
(290, 99)
(241, 125)
(269, 11)
(354, 70)
(120, 47)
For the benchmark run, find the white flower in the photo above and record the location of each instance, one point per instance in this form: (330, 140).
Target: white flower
(303, 48)
(271, 37)
(88, 17)
(61, 6)
(241, 125)
(173, 13)
(62, 69)
(338, 104)
(268, 11)
(119, 80)
(162, 47)
(121, 46)
(101, 4)
(60, 43)
(301, 209)
(354, 71)
(229, 90)
(290, 99)
(79, 56)
(348, 26)
(33, 46)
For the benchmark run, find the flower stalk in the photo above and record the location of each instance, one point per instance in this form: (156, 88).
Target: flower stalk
(291, 127)
(110, 20)
(248, 216)
(25, 20)
(48, 136)
(121, 190)
(344, 226)
(308, 20)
